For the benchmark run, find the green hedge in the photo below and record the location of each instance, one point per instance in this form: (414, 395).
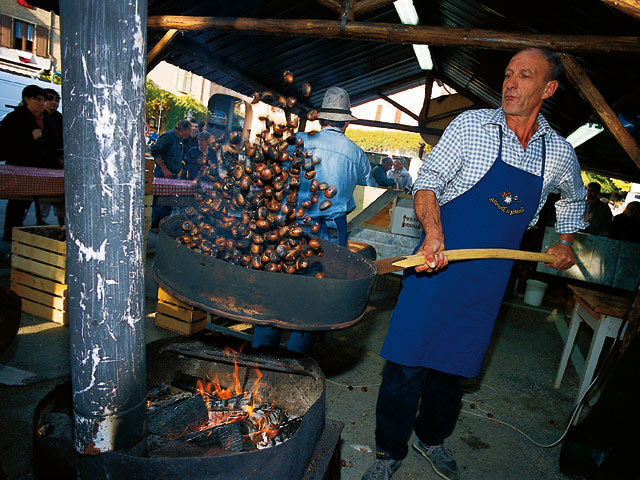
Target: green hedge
(174, 108)
(609, 185)
(387, 141)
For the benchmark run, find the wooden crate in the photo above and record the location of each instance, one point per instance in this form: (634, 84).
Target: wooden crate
(174, 315)
(38, 274)
(149, 165)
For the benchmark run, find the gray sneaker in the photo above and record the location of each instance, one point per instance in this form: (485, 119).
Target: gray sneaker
(382, 469)
(441, 459)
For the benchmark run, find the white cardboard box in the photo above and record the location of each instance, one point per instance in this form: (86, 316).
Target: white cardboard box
(403, 218)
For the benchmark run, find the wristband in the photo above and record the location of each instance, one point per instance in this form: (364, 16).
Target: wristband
(564, 242)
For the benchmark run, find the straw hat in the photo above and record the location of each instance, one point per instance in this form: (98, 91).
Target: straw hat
(336, 105)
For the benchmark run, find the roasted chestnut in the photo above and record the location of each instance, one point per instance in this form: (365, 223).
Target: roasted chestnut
(330, 192)
(324, 205)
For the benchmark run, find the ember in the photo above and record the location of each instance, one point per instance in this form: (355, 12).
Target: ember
(203, 412)
(247, 207)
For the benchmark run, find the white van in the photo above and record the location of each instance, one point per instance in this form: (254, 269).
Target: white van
(632, 196)
(11, 86)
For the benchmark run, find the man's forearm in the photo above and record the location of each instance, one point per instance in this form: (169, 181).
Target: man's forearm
(427, 210)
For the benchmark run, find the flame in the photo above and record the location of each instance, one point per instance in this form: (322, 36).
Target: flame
(211, 387)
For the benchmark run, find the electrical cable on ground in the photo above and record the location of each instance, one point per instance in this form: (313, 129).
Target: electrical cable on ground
(575, 411)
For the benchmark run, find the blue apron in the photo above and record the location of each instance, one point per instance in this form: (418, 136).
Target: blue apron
(445, 320)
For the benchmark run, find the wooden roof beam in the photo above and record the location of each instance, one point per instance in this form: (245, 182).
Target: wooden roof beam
(193, 49)
(400, 107)
(331, 5)
(403, 34)
(588, 90)
(630, 7)
(364, 6)
(160, 47)
(397, 126)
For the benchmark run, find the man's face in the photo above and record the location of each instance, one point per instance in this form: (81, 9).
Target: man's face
(184, 134)
(203, 144)
(592, 194)
(526, 83)
(397, 165)
(195, 129)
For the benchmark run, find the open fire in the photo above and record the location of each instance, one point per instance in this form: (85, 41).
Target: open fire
(229, 414)
(218, 428)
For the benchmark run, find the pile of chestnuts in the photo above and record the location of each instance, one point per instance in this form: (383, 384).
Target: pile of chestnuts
(247, 210)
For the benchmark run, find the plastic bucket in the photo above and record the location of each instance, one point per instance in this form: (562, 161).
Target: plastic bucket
(534, 292)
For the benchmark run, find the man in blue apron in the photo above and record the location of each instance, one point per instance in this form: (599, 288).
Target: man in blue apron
(343, 165)
(482, 186)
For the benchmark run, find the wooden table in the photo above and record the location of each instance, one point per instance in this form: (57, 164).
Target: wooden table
(604, 313)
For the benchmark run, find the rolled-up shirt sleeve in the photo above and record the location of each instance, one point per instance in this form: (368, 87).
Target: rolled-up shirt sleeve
(443, 161)
(570, 207)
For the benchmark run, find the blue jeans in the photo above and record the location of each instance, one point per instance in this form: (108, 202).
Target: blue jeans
(439, 395)
(268, 336)
(299, 341)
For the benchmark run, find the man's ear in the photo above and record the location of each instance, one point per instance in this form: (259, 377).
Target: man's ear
(550, 89)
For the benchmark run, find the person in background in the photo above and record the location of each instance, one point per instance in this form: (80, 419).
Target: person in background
(25, 137)
(192, 140)
(598, 214)
(626, 226)
(379, 173)
(400, 176)
(343, 165)
(56, 144)
(168, 153)
(481, 186)
(194, 159)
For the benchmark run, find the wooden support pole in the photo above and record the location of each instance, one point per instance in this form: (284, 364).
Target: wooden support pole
(630, 7)
(588, 90)
(160, 47)
(399, 106)
(428, 88)
(404, 34)
(364, 6)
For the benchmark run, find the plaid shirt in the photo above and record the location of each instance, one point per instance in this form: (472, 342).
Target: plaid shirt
(469, 147)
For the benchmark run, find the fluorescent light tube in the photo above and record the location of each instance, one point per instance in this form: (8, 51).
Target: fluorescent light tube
(584, 133)
(408, 16)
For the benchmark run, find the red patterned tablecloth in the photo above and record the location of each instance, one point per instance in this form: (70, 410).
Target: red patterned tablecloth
(27, 182)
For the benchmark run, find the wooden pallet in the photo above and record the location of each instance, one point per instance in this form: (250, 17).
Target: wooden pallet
(174, 315)
(38, 274)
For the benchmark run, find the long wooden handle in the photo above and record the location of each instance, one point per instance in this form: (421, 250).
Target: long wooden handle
(400, 263)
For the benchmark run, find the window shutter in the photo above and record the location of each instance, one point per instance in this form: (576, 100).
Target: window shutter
(42, 41)
(5, 31)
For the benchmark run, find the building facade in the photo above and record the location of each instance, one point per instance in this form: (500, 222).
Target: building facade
(29, 39)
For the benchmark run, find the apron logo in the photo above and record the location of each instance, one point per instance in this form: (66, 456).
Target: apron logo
(510, 204)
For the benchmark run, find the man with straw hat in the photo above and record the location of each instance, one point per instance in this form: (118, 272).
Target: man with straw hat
(343, 165)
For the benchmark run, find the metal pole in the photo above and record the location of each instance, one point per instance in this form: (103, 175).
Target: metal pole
(103, 84)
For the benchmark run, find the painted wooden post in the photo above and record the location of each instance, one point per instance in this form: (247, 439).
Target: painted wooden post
(103, 86)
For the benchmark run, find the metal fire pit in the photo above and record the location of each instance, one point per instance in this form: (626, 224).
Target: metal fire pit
(295, 384)
(298, 302)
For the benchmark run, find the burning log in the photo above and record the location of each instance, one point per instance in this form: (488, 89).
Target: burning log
(227, 436)
(177, 414)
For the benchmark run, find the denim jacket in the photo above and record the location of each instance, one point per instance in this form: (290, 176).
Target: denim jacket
(343, 165)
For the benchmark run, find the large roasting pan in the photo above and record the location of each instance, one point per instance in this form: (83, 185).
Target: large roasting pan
(287, 301)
